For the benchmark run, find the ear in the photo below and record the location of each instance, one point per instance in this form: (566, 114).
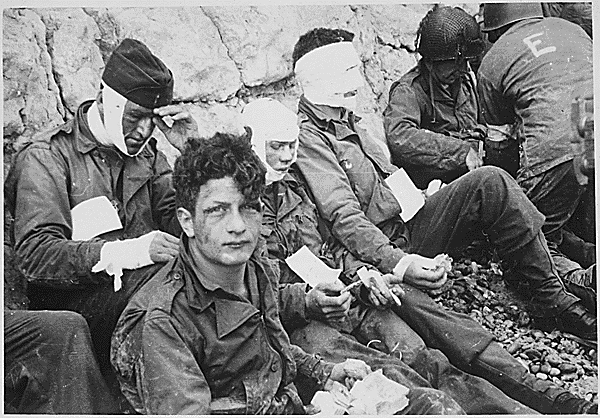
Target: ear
(186, 220)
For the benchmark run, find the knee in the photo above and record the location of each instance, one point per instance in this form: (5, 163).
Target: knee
(492, 174)
(61, 326)
(427, 401)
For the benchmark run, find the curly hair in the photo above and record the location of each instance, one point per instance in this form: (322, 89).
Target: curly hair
(318, 37)
(222, 155)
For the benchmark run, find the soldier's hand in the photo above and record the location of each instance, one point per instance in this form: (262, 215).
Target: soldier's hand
(325, 301)
(163, 247)
(350, 371)
(177, 123)
(473, 161)
(425, 273)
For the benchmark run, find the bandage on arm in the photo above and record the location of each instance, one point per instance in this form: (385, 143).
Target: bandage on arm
(129, 254)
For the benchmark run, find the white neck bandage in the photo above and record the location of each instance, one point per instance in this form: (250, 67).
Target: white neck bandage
(270, 120)
(327, 73)
(111, 131)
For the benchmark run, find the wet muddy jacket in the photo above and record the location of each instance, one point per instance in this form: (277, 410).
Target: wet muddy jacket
(345, 170)
(419, 137)
(183, 346)
(529, 76)
(64, 167)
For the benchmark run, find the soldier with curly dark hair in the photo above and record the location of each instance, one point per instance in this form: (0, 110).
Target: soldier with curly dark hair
(204, 336)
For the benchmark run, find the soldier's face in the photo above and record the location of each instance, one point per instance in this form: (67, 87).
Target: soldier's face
(224, 230)
(280, 154)
(449, 71)
(137, 126)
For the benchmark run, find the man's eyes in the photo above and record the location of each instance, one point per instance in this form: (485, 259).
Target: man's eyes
(251, 207)
(247, 208)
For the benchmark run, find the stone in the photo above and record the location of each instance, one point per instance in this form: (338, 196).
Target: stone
(189, 43)
(514, 347)
(554, 371)
(532, 353)
(545, 368)
(76, 60)
(541, 376)
(534, 368)
(553, 360)
(31, 96)
(567, 367)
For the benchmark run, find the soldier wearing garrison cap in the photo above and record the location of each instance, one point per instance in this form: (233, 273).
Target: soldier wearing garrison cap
(92, 199)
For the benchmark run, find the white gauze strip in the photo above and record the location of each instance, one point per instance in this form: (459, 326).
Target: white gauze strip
(326, 63)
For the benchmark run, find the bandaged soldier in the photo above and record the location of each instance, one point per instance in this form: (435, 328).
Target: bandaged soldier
(345, 171)
(339, 326)
(93, 204)
(204, 336)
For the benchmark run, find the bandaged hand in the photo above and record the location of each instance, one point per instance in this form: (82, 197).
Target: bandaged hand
(131, 254)
(177, 123)
(325, 302)
(421, 272)
(349, 372)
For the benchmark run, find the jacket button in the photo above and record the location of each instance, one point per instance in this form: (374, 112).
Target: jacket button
(274, 366)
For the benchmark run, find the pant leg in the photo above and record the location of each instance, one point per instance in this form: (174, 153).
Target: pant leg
(556, 193)
(424, 401)
(50, 367)
(486, 199)
(489, 200)
(474, 394)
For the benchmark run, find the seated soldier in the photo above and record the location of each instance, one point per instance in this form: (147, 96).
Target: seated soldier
(290, 221)
(432, 119)
(345, 171)
(49, 365)
(92, 199)
(204, 335)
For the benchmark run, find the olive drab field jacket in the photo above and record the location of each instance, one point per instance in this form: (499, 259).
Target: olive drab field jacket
(64, 167)
(420, 138)
(529, 76)
(183, 346)
(345, 171)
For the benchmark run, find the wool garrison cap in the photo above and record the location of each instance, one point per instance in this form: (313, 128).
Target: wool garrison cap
(135, 73)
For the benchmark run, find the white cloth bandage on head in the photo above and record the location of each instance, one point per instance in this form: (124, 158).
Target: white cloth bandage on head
(328, 72)
(270, 120)
(113, 105)
(128, 254)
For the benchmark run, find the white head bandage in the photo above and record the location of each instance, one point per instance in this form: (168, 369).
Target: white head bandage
(111, 131)
(327, 73)
(270, 120)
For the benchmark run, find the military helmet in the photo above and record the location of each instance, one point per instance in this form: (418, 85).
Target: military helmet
(448, 33)
(497, 15)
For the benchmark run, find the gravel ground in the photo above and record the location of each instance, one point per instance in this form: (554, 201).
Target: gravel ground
(480, 292)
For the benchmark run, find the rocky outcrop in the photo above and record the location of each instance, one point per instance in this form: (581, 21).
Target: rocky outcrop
(221, 57)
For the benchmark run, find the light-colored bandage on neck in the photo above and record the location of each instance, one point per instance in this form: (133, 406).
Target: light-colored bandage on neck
(328, 72)
(270, 121)
(111, 131)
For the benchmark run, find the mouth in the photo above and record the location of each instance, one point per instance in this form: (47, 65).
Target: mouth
(236, 244)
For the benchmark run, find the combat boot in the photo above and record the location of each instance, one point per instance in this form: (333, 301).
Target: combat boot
(500, 368)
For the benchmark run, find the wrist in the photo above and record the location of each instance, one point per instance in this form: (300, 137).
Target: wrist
(403, 265)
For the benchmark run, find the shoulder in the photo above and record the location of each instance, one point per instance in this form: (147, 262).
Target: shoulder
(407, 82)
(49, 138)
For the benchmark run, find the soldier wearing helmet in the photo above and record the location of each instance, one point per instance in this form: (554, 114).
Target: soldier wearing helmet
(432, 119)
(529, 78)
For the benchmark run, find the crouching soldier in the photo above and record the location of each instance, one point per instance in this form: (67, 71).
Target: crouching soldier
(204, 335)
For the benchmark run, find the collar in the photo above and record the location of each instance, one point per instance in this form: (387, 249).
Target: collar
(201, 294)
(328, 118)
(84, 141)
